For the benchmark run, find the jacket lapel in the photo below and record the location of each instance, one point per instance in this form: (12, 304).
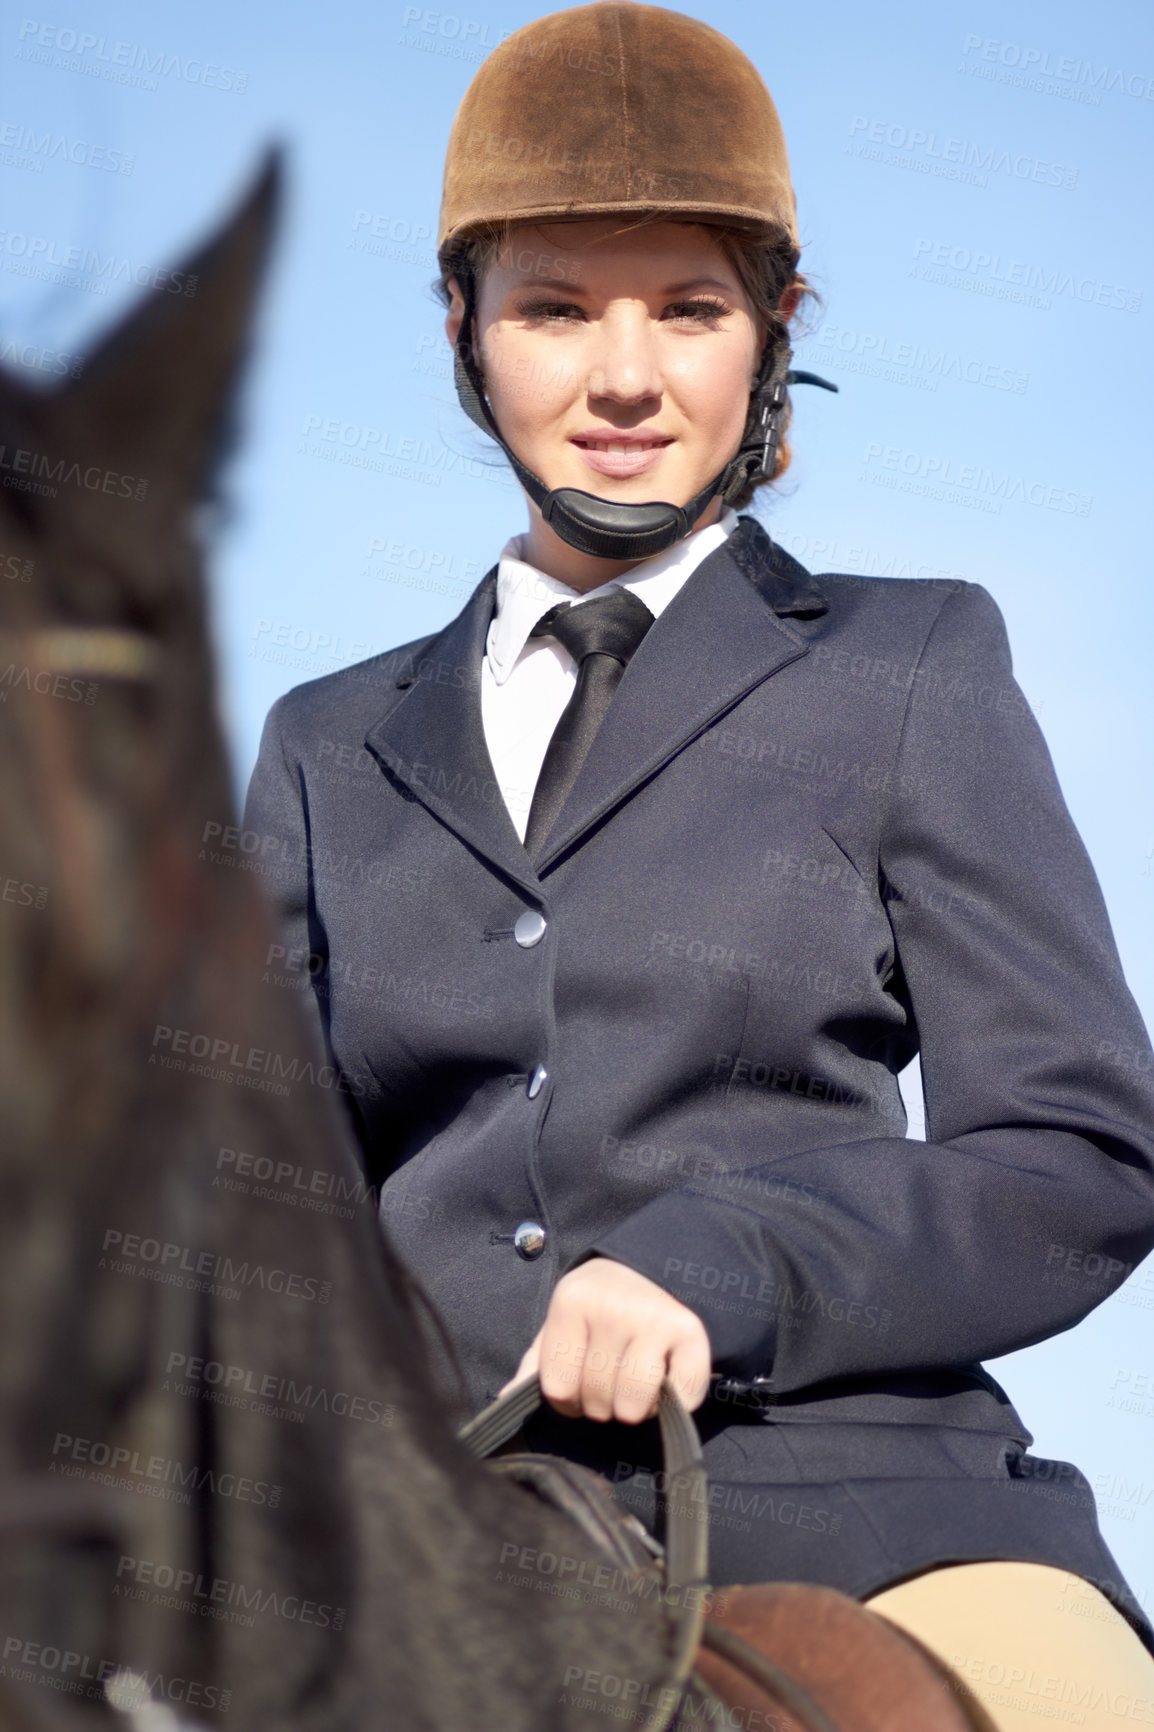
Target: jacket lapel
(431, 737)
(723, 633)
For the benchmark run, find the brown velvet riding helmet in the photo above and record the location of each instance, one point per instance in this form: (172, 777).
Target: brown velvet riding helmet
(616, 108)
(619, 109)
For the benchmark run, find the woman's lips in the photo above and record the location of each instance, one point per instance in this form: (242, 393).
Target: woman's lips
(621, 458)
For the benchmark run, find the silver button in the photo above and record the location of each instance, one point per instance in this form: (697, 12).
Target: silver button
(537, 1082)
(529, 1239)
(529, 928)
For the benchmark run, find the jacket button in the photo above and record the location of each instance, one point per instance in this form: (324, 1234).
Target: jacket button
(537, 1082)
(529, 1239)
(529, 928)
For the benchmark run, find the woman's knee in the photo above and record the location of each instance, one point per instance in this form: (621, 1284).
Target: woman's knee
(1030, 1642)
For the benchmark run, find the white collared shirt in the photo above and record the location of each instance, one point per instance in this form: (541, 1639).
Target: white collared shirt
(526, 683)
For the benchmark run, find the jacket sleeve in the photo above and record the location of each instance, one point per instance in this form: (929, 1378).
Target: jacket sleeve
(1037, 1072)
(277, 838)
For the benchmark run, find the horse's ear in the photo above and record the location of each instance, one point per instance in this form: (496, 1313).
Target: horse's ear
(156, 397)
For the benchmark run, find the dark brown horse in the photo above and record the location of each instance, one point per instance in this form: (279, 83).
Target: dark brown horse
(226, 1479)
(223, 1464)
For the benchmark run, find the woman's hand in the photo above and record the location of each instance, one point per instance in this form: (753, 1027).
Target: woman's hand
(609, 1340)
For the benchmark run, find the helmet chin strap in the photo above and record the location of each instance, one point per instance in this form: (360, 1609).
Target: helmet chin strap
(606, 528)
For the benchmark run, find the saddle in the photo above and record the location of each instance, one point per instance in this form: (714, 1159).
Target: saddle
(803, 1658)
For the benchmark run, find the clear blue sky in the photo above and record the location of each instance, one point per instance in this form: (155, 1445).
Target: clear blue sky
(973, 190)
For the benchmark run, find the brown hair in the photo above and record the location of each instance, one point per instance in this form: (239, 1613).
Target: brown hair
(764, 265)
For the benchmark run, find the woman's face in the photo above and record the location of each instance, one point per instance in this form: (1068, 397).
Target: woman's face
(619, 363)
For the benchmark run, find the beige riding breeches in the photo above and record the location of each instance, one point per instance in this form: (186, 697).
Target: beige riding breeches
(1034, 1645)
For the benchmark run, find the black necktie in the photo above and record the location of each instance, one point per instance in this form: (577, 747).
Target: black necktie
(601, 636)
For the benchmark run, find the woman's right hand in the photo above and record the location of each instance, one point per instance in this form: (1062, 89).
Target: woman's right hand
(610, 1338)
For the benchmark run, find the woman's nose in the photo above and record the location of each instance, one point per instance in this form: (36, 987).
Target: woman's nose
(624, 362)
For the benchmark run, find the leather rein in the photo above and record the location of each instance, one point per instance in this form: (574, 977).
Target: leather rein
(684, 1563)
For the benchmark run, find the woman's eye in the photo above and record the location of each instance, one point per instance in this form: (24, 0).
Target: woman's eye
(559, 310)
(702, 311)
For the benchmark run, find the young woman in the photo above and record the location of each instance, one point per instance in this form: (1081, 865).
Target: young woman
(674, 857)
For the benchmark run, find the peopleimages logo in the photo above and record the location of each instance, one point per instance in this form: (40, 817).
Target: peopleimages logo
(129, 1468)
(83, 262)
(210, 1596)
(119, 62)
(874, 352)
(181, 1265)
(77, 1674)
(1041, 63)
(224, 1059)
(276, 1396)
(1019, 280)
(52, 471)
(956, 158)
(35, 148)
(925, 471)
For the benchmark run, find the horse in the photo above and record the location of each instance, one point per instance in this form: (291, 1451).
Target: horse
(231, 1490)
